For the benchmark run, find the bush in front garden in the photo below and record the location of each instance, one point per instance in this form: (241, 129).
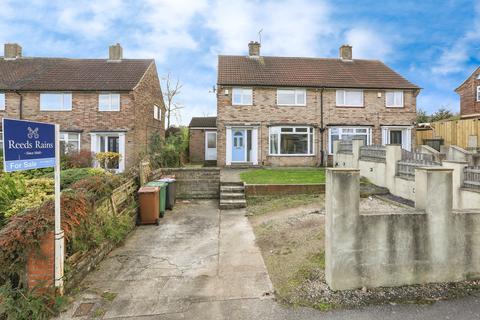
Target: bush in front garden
(77, 159)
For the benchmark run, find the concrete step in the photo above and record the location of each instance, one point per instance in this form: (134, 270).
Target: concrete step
(232, 195)
(231, 183)
(232, 189)
(233, 204)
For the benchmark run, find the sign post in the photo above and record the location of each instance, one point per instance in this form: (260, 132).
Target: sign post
(33, 145)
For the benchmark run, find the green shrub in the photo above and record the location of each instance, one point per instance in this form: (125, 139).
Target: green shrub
(70, 176)
(20, 304)
(37, 191)
(12, 187)
(170, 152)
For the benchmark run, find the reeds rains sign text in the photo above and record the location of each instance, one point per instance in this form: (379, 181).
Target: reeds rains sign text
(28, 145)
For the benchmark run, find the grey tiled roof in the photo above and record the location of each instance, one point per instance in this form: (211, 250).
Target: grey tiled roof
(203, 122)
(308, 72)
(57, 74)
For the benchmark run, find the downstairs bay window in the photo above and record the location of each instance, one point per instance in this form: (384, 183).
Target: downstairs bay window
(348, 133)
(69, 142)
(291, 141)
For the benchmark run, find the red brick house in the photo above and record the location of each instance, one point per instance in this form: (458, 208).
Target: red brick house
(112, 104)
(203, 140)
(469, 92)
(288, 111)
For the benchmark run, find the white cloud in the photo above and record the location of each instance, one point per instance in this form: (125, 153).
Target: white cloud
(454, 59)
(288, 28)
(370, 44)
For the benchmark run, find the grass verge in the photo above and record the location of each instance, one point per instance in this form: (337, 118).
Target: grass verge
(284, 176)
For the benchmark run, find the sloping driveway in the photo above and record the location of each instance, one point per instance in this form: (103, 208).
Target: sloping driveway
(202, 263)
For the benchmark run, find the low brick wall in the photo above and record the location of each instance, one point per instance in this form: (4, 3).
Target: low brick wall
(194, 183)
(281, 189)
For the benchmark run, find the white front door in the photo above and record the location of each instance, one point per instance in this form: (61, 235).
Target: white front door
(210, 145)
(397, 135)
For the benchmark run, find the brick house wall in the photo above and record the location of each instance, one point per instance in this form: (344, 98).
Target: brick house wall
(135, 115)
(265, 112)
(469, 106)
(197, 145)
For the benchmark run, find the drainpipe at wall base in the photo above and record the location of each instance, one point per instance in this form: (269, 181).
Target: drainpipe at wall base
(20, 116)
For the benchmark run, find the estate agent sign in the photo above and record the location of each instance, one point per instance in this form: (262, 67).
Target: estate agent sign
(34, 145)
(28, 145)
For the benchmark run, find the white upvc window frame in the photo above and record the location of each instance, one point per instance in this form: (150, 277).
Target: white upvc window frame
(1, 140)
(3, 101)
(66, 101)
(157, 112)
(343, 93)
(114, 102)
(65, 137)
(398, 99)
(277, 130)
(478, 93)
(296, 92)
(242, 92)
(95, 146)
(348, 130)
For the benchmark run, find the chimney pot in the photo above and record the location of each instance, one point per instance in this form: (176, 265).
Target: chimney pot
(115, 52)
(12, 51)
(254, 49)
(346, 52)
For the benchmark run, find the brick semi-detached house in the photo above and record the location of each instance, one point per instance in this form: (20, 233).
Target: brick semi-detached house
(112, 104)
(287, 111)
(469, 92)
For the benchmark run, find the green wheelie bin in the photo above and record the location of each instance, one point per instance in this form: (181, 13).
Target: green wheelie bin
(163, 194)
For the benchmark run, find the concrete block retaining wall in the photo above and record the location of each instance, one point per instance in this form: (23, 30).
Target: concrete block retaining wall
(194, 183)
(383, 174)
(431, 243)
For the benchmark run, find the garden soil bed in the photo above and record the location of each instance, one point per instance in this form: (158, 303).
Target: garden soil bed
(292, 245)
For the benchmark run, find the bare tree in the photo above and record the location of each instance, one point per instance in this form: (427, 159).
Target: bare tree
(170, 95)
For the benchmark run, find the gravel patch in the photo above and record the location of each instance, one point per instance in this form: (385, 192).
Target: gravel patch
(292, 244)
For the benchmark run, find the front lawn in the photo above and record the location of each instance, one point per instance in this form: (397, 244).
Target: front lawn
(284, 176)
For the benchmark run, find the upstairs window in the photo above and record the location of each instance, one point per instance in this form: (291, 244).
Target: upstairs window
(58, 101)
(350, 98)
(242, 96)
(394, 99)
(2, 101)
(291, 97)
(478, 93)
(109, 102)
(157, 112)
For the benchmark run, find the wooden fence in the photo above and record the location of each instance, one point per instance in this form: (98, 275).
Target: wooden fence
(453, 132)
(345, 146)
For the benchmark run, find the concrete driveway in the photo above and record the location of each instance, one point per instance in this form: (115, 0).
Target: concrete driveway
(202, 263)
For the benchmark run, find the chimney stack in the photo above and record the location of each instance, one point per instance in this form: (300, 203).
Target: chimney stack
(254, 49)
(12, 51)
(115, 52)
(346, 52)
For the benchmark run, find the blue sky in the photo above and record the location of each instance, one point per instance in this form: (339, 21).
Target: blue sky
(435, 44)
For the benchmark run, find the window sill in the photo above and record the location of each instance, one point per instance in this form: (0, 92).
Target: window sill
(242, 105)
(350, 107)
(291, 155)
(291, 105)
(394, 107)
(108, 110)
(55, 110)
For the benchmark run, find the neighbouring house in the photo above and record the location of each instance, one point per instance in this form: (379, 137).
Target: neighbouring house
(203, 140)
(469, 92)
(288, 111)
(101, 105)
